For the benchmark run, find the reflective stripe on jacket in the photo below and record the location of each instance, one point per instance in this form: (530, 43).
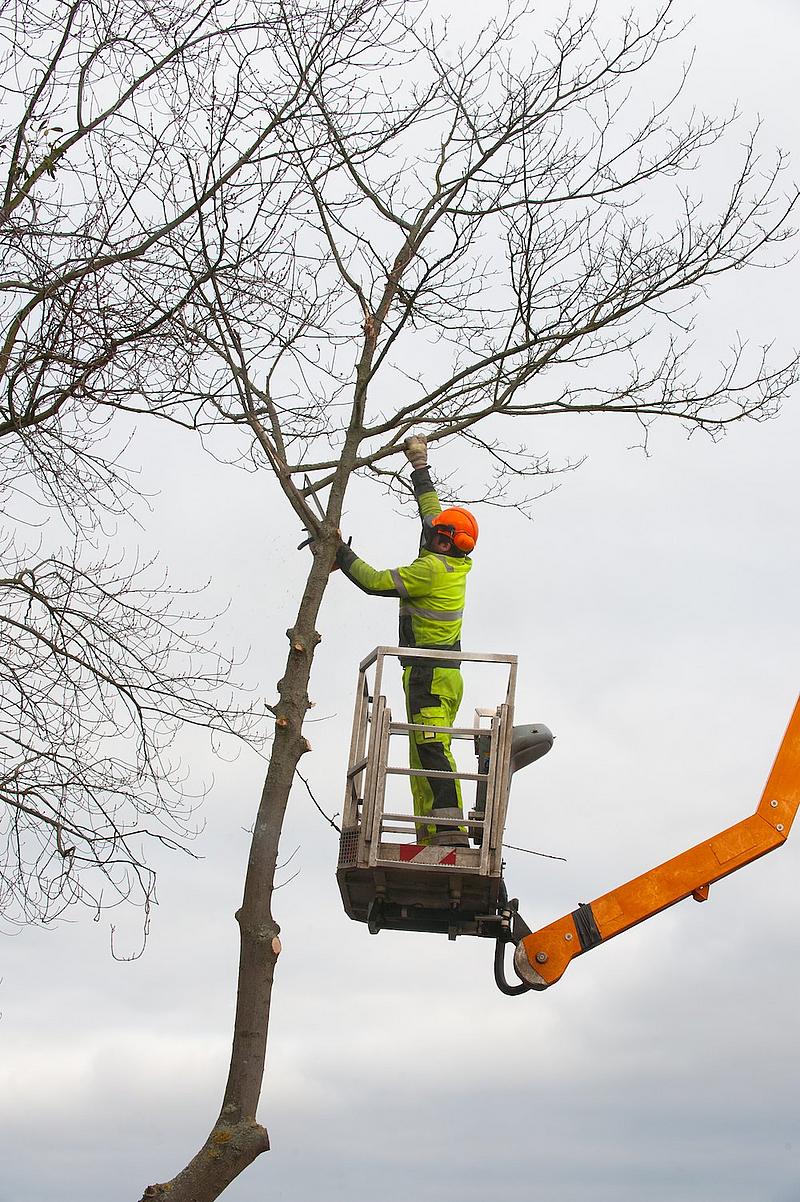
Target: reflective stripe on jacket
(432, 589)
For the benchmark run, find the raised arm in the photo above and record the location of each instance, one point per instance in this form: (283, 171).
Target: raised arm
(414, 579)
(416, 449)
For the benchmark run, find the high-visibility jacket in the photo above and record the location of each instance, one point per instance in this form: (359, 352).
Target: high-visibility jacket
(432, 589)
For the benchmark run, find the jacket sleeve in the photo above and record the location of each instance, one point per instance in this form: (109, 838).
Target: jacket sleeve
(425, 493)
(414, 580)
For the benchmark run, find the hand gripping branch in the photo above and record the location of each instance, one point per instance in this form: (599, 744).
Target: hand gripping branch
(541, 958)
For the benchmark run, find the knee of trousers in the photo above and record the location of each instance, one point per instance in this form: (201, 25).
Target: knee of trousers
(435, 757)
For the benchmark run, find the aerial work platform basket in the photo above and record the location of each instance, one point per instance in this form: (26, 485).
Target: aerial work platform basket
(388, 879)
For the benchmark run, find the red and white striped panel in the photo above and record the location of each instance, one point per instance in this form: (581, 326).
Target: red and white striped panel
(422, 854)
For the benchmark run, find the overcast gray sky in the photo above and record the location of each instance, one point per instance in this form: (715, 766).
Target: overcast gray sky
(654, 610)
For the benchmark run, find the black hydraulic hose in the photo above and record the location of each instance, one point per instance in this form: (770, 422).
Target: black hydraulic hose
(509, 935)
(500, 971)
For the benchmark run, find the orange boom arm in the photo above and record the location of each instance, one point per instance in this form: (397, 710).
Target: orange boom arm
(542, 957)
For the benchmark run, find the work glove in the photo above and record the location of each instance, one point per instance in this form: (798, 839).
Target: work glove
(344, 554)
(416, 449)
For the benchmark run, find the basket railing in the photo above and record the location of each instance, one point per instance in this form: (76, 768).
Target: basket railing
(369, 765)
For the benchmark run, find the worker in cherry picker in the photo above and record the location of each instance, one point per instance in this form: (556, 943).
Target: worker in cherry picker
(432, 590)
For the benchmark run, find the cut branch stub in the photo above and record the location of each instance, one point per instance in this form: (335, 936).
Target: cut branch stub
(300, 639)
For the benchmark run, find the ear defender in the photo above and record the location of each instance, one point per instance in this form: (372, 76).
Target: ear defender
(464, 542)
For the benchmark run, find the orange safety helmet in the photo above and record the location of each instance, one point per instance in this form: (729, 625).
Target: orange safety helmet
(458, 525)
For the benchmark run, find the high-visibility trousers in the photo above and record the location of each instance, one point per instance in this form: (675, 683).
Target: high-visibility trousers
(433, 696)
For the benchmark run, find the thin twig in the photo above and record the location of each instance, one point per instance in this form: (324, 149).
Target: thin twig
(327, 817)
(285, 863)
(291, 878)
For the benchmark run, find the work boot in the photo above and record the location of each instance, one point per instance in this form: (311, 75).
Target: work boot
(448, 836)
(452, 838)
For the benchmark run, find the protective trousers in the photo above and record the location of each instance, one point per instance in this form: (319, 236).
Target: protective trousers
(433, 696)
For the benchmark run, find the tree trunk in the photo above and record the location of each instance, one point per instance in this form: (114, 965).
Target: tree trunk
(236, 1139)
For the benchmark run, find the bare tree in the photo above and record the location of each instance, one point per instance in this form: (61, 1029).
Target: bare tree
(333, 224)
(109, 122)
(98, 674)
(489, 236)
(125, 124)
